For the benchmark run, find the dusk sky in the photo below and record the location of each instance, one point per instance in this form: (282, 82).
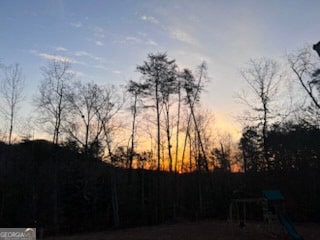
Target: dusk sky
(106, 40)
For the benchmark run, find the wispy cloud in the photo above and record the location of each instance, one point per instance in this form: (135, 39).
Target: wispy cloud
(61, 49)
(182, 36)
(51, 56)
(76, 24)
(97, 29)
(89, 55)
(150, 19)
(99, 43)
(116, 72)
(59, 58)
(99, 59)
(98, 32)
(151, 42)
(102, 67)
(138, 40)
(81, 53)
(133, 39)
(143, 34)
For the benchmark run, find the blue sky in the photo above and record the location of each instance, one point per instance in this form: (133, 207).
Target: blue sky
(105, 40)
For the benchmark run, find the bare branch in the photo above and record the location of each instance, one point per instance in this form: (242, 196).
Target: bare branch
(12, 86)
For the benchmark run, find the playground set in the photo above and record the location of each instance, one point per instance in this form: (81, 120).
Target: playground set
(271, 207)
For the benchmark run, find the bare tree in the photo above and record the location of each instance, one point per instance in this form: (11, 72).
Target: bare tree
(52, 99)
(84, 126)
(137, 91)
(108, 107)
(92, 107)
(305, 67)
(263, 78)
(11, 90)
(193, 89)
(52, 104)
(168, 87)
(157, 72)
(178, 123)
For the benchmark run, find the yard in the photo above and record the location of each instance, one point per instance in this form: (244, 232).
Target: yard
(205, 230)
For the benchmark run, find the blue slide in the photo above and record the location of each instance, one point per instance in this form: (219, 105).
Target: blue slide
(289, 227)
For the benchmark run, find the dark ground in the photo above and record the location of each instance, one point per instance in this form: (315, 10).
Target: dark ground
(205, 230)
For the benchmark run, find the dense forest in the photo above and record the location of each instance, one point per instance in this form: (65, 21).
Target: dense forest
(145, 153)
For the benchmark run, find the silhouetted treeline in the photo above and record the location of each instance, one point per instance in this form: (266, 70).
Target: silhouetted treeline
(91, 195)
(290, 146)
(89, 179)
(293, 153)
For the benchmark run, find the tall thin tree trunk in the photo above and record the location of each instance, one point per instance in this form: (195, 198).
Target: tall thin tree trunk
(168, 136)
(86, 139)
(58, 113)
(177, 134)
(264, 136)
(158, 126)
(191, 107)
(199, 138)
(176, 183)
(158, 195)
(197, 151)
(185, 142)
(163, 156)
(11, 127)
(190, 153)
(133, 131)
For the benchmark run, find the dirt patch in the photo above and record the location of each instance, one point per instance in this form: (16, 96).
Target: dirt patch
(217, 230)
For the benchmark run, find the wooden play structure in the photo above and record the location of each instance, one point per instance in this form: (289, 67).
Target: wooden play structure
(269, 208)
